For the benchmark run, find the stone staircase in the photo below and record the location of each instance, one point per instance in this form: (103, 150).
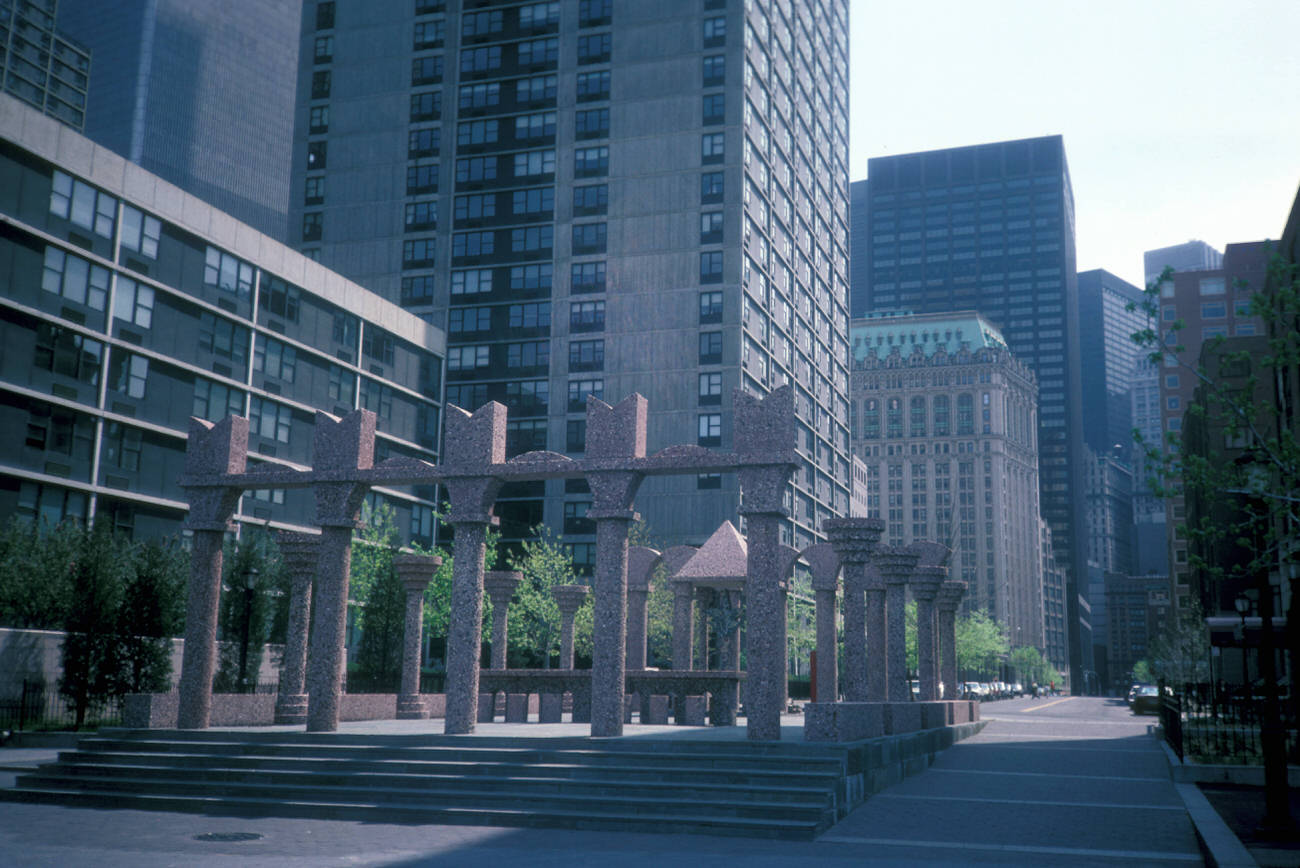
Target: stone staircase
(777, 790)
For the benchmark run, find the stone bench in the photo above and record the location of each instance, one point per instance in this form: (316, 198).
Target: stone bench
(686, 692)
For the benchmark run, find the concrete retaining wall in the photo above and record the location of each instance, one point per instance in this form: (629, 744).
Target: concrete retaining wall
(159, 710)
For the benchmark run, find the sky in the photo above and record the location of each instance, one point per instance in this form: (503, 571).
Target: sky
(1181, 118)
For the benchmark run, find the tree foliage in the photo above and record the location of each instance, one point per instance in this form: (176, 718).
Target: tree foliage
(980, 643)
(98, 575)
(534, 624)
(244, 613)
(152, 612)
(1031, 667)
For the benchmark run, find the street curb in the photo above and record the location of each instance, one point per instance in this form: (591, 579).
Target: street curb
(1222, 848)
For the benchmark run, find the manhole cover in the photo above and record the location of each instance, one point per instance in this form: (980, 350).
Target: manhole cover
(228, 836)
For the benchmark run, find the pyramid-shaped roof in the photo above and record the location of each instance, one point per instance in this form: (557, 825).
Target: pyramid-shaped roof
(724, 557)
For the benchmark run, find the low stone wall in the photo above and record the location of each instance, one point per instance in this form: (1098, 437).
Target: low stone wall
(882, 762)
(854, 721)
(159, 710)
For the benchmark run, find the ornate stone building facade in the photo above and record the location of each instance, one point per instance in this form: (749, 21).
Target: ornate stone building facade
(945, 420)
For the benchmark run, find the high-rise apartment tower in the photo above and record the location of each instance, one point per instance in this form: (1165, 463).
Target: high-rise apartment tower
(598, 198)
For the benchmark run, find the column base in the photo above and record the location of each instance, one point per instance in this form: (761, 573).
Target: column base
(291, 709)
(516, 708)
(412, 707)
(902, 717)
(550, 708)
(487, 707)
(843, 721)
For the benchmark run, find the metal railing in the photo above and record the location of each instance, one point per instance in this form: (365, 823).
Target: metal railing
(32, 705)
(1207, 723)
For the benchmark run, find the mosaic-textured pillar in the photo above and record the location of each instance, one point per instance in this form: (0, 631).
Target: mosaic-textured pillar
(896, 564)
(212, 449)
(873, 587)
(704, 601)
(926, 582)
(640, 564)
(415, 571)
(853, 540)
(824, 567)
(472, 445)
(500, 586)
(569, 599)
(339, 445)
(683, 624)
(298, 552)
(949, 599)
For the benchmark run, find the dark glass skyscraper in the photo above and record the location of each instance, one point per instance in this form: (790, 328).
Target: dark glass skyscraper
(991, 228)
(201, 94)
(39, 64)
(1110, 358)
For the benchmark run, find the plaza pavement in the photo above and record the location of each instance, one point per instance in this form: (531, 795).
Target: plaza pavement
(1061, 781)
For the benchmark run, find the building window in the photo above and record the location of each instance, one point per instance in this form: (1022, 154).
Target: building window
(710, 389)
(587, 316)
(323, 49)
(591, 162)
(531, 278)
(710, 348)
(133, 302)
(484, 59)
(589, 238)
(417, 289)
(528, 354)
(1214, 309)
(715, 70)
(325, 15)
(575, 435)
(320, 84)
(592, 123)
(226, 272)
(706, 481)
(418, 253)
(421, 216)
(427, 70)
(429, 34)
(580, 389)
(525, 435)
(275, 359)
(534, 164)
(711, 266)
(317, 155)
(269, 419)
(140, 232)
(538, 52)
(538, 89)
(715, 31)
(587, 355)
(532, 239)
(468, 320)
(593, 49)
(477, 132)
(592, 199)
(1211, 285)
(472, 169)
(535, 126)
(482, 23)
(477, 96)
(917, 417)
(941, 421)
(587, 277)
(75, 279)
(82, 205)
(312, 224)
(711, 188)
(713, 147)
(529, 316)
(66, 353)
(378, 345)
(471, 282)
(710, 429)
(377, 398)
(575, 518)
(426, 106)
(594, 13)
(965, 414)
(468, 358)
(711, 227)
(314, 191)
(593, 85)
(535, 16)
(318, 119)
(476, 207)
(710, 307)
(215, 401)
(128, 373)
(715, 108)
(893, 418)
(472, 244)
(539, 201)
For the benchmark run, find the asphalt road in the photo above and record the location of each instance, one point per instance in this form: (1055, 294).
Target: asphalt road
(1065, 781)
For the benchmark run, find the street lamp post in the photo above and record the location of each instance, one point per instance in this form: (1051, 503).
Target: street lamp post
(250, 584)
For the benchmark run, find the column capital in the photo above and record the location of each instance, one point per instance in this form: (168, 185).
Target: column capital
(298, 551)
(950, 594)
(895, 564)
(501, 584)
(416, 570)
(569, 597)
(854, 539)
(926, 581)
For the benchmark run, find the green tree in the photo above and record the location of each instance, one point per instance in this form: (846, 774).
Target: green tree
(1180, 653)
(909, 634)
(152, 611)
(1142, 672)
(35, 582)
(246, 611)
(534, 624)
(980, 644)
(382, 616)
(1030, 666)
(98, 572)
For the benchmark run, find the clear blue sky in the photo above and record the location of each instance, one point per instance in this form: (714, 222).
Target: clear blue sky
(1181, 118)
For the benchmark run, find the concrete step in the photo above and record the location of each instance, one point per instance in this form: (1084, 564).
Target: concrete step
(535, 817)
(682, 774)
(613, 787)
(591, 805)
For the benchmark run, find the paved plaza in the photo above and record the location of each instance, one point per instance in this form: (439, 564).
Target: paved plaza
(1065, 781)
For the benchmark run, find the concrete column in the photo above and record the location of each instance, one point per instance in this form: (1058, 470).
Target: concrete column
(765, 609)
(896, 564)
(415, 571)
(569, 599)
(464, 627)
(683, 623)
(500, 586)
(926, 582)
(329, 628)
(704, 601)
(877, 675)
(637, 625)
(729, 649)
(212, 451)
(609, 621)
(853, 540)
(298, 551)
(199, 659)
(828, 686)
(949, 599)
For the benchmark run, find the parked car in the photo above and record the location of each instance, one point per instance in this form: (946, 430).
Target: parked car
(1146, 700)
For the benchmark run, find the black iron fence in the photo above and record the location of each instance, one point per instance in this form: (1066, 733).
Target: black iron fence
(33, 705)
(1208, 723)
